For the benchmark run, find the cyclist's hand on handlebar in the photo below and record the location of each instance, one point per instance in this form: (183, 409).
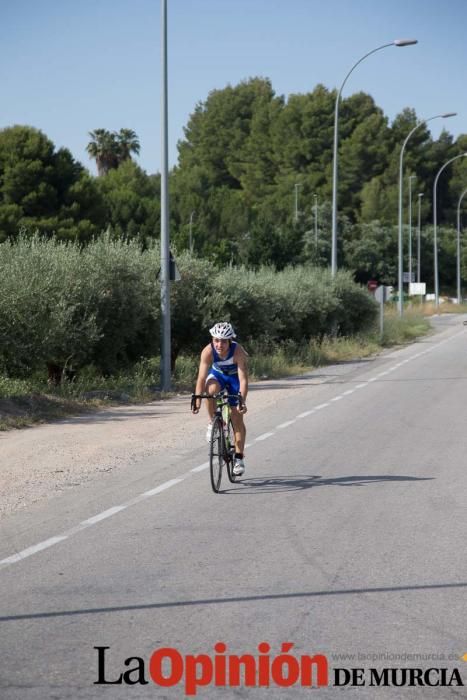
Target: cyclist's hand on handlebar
(195, 405)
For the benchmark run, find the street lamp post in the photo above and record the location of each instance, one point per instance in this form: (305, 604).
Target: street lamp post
(165, 236)
(459, 297)
(435, 224)
(401, 160)
(411, 177)
(316, 219)
(396, 42)
(420, 195)
(297, 185)
(191, 231)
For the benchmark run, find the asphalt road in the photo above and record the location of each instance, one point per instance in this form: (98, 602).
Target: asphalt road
(345, 538)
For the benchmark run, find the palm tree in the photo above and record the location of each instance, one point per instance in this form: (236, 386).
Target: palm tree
(109, 149)
(104, 148)
(128, 143)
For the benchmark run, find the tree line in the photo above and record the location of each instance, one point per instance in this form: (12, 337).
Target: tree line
(252, 186)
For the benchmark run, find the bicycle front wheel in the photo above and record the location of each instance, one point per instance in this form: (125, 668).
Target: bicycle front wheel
(216, 454)
(230, 450)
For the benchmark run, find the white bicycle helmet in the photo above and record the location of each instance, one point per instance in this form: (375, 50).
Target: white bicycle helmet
(222, 330)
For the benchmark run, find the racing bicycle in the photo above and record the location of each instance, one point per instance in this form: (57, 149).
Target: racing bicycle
(222, 443)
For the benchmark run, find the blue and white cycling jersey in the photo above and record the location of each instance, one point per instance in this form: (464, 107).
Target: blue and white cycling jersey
(227, 365)
(225, 371)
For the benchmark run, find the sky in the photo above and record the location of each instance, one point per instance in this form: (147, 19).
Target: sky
(71, 66)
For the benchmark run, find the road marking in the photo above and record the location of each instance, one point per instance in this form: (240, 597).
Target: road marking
(162, 487)
(33, 550)
(105, 514)
(29, 551)
(285, 425)
(264, 436)
(201, 467)
(306, 413)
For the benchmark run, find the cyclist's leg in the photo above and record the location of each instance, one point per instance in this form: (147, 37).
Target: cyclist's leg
(214, 385)
(237, 417)
(240, 430)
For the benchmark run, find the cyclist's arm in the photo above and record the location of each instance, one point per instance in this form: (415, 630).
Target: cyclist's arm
(204, 366)
(241, 358)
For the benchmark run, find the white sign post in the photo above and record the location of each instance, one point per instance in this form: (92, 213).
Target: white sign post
(382, 294)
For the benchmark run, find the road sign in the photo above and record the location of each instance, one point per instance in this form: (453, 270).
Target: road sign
(417, 288)
(383, 293)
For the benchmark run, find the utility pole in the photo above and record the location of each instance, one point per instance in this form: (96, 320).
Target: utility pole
(165, 241)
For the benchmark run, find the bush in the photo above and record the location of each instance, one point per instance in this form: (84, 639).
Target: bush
(61, 306)
(44, 314)
(356, 310)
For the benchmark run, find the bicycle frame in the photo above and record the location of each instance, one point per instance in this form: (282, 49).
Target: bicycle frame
(223, 434)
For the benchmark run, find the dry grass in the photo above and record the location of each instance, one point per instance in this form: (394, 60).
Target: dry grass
(447, 307)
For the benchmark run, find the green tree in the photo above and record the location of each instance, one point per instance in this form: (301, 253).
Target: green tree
(132, 200)
(128, 143)
(104, 148)
(370, 251)
(110, 148)
(45, 190)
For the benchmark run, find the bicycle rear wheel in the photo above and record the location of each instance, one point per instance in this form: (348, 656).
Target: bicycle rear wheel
(216, 454)
(230, 451)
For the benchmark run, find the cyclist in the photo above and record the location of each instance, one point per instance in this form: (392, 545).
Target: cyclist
(223, 365)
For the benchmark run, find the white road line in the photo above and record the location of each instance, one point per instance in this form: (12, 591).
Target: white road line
(105, 514)
(200, 468)
(337, 398)
(306, 413)
(32, 550)
(264, 436)
(285, 425)
(162, 487)
(29, 551)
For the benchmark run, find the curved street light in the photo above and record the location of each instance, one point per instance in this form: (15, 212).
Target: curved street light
(411, 177)
(401, 159)
(435, 224)
(419, 218)
(396, 42)
(459, 246)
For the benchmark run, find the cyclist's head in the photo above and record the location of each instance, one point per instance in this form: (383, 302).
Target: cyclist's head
(222, 331)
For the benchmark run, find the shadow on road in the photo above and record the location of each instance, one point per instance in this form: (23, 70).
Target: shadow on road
(268, 484)
(233, 599)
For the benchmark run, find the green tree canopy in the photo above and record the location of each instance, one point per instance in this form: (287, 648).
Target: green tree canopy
(43, 189)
